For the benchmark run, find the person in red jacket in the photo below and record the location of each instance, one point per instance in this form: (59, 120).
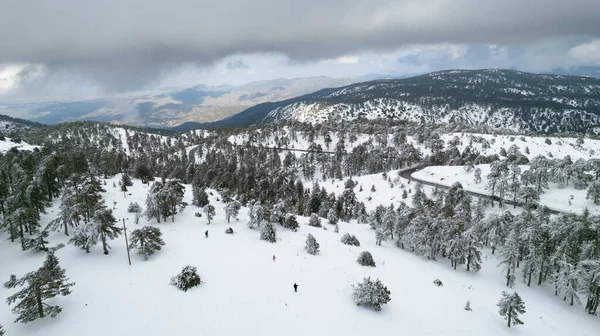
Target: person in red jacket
(274, 257)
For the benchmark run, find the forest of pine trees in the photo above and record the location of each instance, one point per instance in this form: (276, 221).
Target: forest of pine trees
(535, 248)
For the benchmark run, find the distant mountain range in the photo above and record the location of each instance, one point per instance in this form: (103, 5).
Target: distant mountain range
(9, 124)
(493, 97)
(165, 109)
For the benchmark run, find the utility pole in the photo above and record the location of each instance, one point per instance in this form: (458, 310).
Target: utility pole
(126, 242)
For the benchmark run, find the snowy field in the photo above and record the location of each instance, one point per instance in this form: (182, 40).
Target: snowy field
(245, 292)
(567, 199)
(7, 144)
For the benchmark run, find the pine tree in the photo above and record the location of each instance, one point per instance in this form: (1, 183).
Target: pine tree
(46, 283)
(510, 257)
(200, 197)
(147, 240)
(477, 175)
(85, 236)
(1, 330)
(366, 259)
(267, 233)
(510, 306)
(593, 192)
(314, 220)
(209, 212)
(105, 221)
(371, 293)
(291, 223)
(232, 209)
(187, 279)
(256, 216)
(37, 244)
(311, 247)
(331, 217)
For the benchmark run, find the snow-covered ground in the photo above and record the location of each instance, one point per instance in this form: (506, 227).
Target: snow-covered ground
(7, 144)
(245, 292)
(567, 199)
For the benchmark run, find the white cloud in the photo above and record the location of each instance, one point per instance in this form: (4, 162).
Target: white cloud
(588, 53)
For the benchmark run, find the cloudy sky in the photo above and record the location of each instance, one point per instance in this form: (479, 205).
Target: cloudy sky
(88, 48)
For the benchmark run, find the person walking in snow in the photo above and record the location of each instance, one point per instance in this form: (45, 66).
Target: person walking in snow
(274, 257)
(206, 234)
(296, 288)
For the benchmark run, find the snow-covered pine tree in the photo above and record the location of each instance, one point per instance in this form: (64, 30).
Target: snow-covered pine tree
(477, 175)
(256, 215)
(46, 283)
(348, 239)
(331, 217)
(314, 220)
(472, 249)
(154, 202)
(510, 256)
(105, 221)
(279, 212)
(187, 279)
(311, 247)
(147, 240)
(232, 209)
(37, 244)
(510, 306)
(69, 213)
(85, 236)
(468, 306)
(200, 197)
(1, 330)
(267, 232)
(291, 223)
(371, 293)
(593, 192)
(366, 259)
(209, 212)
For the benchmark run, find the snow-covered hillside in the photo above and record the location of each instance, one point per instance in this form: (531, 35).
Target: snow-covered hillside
(7, 143)
(493, 98)
(246, 292)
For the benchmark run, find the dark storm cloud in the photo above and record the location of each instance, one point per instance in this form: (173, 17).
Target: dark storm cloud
(125, 43)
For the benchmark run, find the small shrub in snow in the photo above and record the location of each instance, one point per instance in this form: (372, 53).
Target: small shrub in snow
(134, 207)
(349, 184)
(468, 306)
(314, 220)
(548, 141)
(197, 214)
(371, 293)
(229, 230)
(438, 282)
(348, 239)
(404, 194)
(188, 278)
(337, 229)
(292, 223)
(373, 188)
(366, 259)
(331, 217)
(312, 247)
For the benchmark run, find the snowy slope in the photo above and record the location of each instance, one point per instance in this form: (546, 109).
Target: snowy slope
(247, 293)
(7, 144)
(567, 199)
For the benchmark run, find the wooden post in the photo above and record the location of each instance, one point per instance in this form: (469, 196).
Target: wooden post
(126, 242)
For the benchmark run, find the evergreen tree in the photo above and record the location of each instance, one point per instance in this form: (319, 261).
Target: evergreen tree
(200, 197)
(331, 217)
(311, 247)
(510, 306)
(366, 259)
(232, 209)
(348, 239)
(209, 212)
(187, 279)
(593, 192)
(256, 216)
(278, 214)
(267, 233)
(477, 175)
(510, 257)
(371, 293)
(104, 222)
(291, 223)
(147, 240)
(314, 220)
(85, 236)
(37, 244)
(46, 283)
